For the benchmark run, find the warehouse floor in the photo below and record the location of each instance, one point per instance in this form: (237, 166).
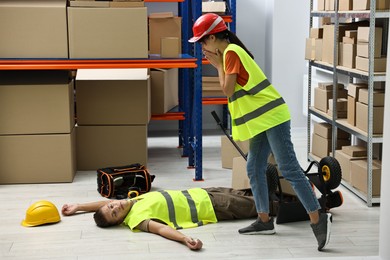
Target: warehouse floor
(355, 230)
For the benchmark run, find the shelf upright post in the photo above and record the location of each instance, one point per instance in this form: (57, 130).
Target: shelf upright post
(335, 76)
(184, 79)
(195, 158)
(370, 101)
(232, 5)
(309, 90)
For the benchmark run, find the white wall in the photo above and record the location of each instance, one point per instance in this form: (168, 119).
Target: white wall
(384, 227)
(286, 51)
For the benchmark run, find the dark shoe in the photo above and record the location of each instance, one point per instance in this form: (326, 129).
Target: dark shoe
(259, 227)
(334, 199)
(322, 230)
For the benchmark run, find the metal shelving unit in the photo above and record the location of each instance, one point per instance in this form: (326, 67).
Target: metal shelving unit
(190, 78)
(369, 76)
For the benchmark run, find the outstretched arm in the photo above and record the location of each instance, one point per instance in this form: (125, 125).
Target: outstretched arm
(173, 234)
(71, 209)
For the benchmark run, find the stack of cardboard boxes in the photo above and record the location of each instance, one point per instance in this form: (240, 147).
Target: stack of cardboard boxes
(362, 50)
(348, 5)
(348, 49)
(113, 111)
(353, 48)
(378, 111)
(314, 45)
(323, 93)
(322, 139)
(353, 97)
(37, 136)
(165, 34)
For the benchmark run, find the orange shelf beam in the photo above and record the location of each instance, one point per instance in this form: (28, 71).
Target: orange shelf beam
(214, 101)
(95, 64)
(169, 116)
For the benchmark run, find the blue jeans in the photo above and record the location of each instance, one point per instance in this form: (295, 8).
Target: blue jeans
(278, 141)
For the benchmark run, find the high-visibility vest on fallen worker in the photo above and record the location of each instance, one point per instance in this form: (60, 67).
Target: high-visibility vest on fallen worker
(177, 208)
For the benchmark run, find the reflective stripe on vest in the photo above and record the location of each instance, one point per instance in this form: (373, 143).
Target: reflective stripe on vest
(171, 209)
(253, 91)
(191, 203)
(258, 112)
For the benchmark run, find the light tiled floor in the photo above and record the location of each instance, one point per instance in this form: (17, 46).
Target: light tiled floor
(354, 231)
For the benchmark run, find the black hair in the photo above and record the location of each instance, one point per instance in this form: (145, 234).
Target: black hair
(232, 38)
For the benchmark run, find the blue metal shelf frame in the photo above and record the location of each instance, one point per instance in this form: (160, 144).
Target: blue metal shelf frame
(195, 84)
(184, 79)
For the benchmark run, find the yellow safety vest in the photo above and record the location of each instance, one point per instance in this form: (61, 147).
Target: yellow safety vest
(257, 106)
(178, 209)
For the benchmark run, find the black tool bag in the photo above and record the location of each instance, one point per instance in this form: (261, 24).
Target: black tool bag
(124, 181)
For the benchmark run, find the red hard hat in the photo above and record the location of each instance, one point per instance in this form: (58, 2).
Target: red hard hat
(207, 24)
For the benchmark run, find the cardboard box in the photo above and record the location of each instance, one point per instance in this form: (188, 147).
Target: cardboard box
(218, 7)
(228, 151)
(313, 50)
(355, 150)
(362, 50)
(321, 5)
(341, 104)
(316, 33)
(362, 118)
(211, 87)
(351, 34)
(349, 40)
(324, 130)
(322, 147)
(164, 90)
(240, 178)
(103, 146)
(351, 112)
(339, 114)
(353, 89)
(379, 64)
(321, 98)
(365, 5)
(113, 97)
(33, 29)
(329, 5)
(113, 4)
(345, 5)
(359, 176)
(348, 55)
(345, 163)
(329, 85)
(37, 158)
(363, 35)
(123, 33)
(170, 47)
(163, 25)
(378, 97)
(36, 102)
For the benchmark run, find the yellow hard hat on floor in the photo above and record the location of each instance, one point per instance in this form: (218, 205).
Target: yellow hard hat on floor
(41, 212)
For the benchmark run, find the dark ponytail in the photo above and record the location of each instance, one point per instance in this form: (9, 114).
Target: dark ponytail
(232, 38)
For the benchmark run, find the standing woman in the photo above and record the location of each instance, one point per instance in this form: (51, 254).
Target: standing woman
(261, 115)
